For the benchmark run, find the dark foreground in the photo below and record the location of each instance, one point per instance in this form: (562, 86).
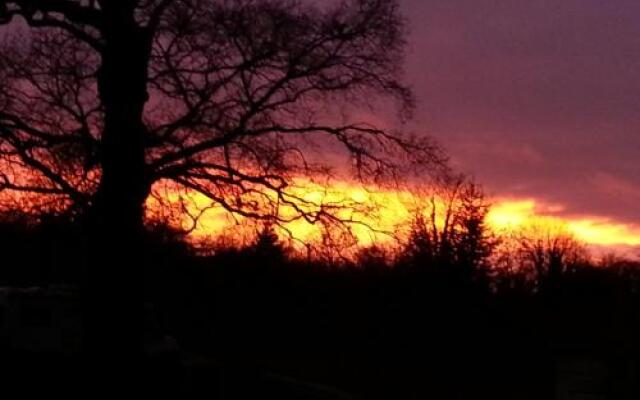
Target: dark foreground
(254, 324)
(524, 375)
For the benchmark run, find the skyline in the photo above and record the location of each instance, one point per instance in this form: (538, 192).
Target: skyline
(537, 102)
(383, 217)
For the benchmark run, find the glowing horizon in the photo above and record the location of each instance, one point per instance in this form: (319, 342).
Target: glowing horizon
(589, 229)
(379, 213)
(394, 210)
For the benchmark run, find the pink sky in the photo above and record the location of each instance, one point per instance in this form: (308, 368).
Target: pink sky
(537, 99)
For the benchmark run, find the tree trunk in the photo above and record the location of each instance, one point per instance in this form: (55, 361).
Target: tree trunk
(114, 290)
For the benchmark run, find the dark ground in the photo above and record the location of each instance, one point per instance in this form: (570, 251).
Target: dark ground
(257, 325)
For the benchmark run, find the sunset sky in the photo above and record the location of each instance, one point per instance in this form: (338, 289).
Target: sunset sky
(539, 100)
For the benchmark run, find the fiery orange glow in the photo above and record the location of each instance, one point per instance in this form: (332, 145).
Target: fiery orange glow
(378, 216)
(374, 215)
(383, 215)
(593, 230)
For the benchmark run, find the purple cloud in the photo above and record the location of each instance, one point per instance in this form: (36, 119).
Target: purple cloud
(535, 98)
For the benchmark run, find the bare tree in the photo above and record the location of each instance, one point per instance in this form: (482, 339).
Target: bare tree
(448, 230)
(102, 99)
(550, 254)
(538, 257)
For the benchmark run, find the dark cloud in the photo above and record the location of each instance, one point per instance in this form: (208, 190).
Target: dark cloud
(536, 98)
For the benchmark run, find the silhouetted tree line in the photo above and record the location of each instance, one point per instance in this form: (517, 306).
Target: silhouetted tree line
(452, 307)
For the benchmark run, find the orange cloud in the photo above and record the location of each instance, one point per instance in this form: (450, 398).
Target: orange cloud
(593, 230)
(389, 212)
